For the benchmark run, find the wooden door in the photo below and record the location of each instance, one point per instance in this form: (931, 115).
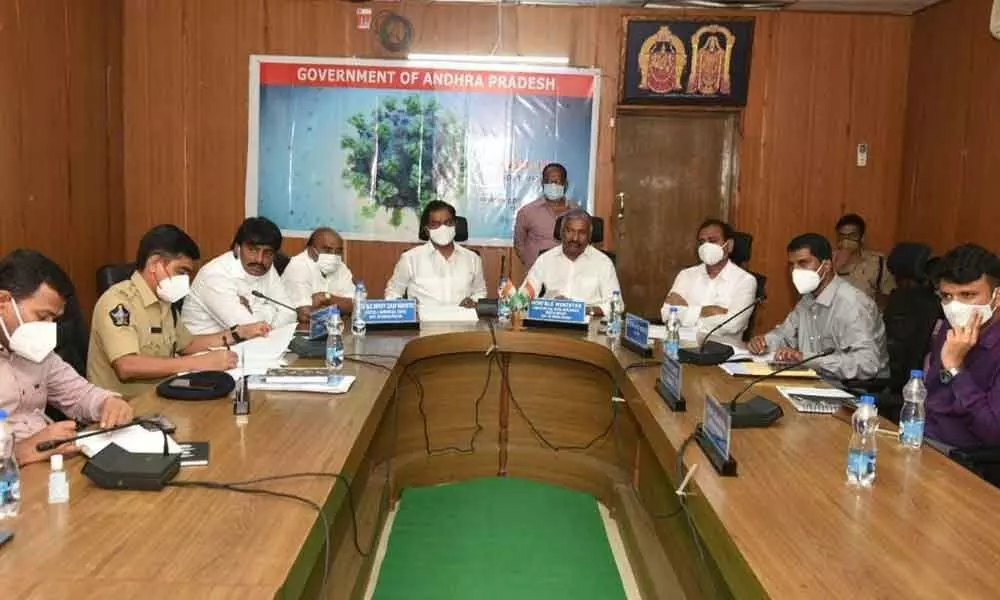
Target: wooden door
(672, 171)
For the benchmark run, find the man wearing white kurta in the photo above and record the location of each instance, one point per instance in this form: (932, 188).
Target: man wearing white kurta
(440, 272)
(317, 276)
(709, 293)
(575, 269)
(221, 296)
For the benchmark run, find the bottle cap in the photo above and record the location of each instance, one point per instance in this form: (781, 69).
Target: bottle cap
(867, 399)
(916, 373)
(56, 462)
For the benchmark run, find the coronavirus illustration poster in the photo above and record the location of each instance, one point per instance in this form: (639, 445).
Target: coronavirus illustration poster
(364, 145)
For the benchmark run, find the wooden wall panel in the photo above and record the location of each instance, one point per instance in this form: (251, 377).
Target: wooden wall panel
(948, 195)
(60, 152)
(820, 83)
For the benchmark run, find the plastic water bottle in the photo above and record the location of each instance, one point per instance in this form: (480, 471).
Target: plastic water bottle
(10, 479)
(672, 343)
(615, 318)
(503, 301)
(58, 482)
(862, 451)
(358, 325)
(335, 342)
(911, 417)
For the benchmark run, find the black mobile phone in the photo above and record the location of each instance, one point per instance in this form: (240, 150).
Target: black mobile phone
(165, 424)
(6, 536)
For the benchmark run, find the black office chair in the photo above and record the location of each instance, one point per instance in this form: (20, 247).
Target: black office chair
(910, 315)
(596, 234)
(71, 336)
(281, 261)
(461, 233)
(108, 275)
(71, 345)
(742, 251)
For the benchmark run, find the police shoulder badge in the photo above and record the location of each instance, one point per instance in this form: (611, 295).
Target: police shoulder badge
(120, 316)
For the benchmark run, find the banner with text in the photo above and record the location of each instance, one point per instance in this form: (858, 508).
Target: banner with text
(364, 145)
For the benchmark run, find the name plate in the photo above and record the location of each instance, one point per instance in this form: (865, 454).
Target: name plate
(718, 425)
(558, 311)
(387, 312)
(318, 321)
(637, 330)
(670, 376)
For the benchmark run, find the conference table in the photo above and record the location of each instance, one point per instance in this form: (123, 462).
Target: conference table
(454, 402)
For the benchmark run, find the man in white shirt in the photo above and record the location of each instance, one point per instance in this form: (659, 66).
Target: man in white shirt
(709, 293)
(439, 272)
(317, 276)
(575, 269)
(222, 297)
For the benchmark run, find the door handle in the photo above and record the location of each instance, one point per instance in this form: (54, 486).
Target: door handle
(620, 196)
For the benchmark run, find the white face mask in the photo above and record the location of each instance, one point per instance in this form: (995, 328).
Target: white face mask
(443, 235)
(553, 191)
(328, 263)
(711, 254)
(806, 280)
(33, 341)
(960, 315)
(173, 288)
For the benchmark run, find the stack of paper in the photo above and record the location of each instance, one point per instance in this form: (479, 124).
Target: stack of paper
(136, 439)
(260, 354)
(335, 384)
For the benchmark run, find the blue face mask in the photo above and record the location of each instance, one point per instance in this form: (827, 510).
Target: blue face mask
(553, 191)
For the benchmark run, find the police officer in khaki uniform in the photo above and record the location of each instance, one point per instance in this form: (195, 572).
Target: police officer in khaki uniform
(137, 338)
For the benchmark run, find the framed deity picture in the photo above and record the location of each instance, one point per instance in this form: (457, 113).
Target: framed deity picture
(701, 62)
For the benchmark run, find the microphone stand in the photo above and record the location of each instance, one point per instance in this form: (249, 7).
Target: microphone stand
(713, 353)
(759, 411)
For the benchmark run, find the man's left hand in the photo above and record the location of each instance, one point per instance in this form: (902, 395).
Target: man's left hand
(958, 343)
(115, 411)
(468, 303)
(712, 311)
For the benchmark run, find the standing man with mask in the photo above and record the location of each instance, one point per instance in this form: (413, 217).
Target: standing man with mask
(963, 374)
(33, 292)
(831, 315)
(136, 337)
(575, 270)
(536, 221)
(707, 294)
(439, 272)
(222, 294)
(317, 276)
(865, 269)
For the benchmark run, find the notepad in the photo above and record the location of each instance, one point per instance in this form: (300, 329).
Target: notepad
(136, 439)
(816, 400)
(757, 369)
(447, 314)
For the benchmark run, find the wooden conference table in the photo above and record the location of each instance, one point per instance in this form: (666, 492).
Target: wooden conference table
(787, 527)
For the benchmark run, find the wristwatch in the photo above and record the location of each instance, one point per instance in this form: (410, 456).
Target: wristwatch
(948, 375)
(234, 331)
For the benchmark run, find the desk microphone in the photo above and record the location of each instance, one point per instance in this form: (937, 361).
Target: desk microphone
(759, 411)
(713, 353)
(272, 300)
